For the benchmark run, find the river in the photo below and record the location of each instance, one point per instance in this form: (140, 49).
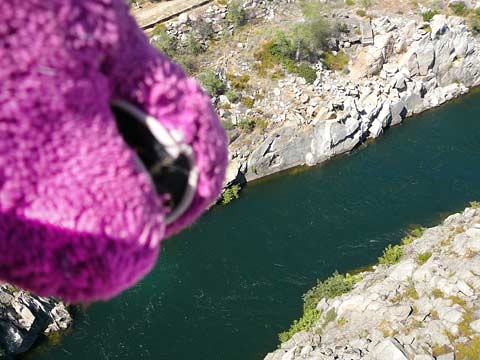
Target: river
(224, 288)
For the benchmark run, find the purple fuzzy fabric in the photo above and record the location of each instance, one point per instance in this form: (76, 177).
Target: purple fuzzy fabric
(79, 217)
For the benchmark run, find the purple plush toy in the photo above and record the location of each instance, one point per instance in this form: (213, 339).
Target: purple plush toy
(106, 148)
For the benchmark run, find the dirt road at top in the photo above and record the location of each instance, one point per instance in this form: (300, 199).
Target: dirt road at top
(152, 14)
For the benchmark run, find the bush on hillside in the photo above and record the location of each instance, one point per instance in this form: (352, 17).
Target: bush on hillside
(306, 322)
(391, 255)
(236, 14)
(331, 287)
(230, 194)
(429, 14)
(307, 72)
(164, 41)
(337, 62)
(212, 83)
(233, 96)
(458, 8)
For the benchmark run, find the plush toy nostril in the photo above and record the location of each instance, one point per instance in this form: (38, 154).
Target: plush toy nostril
(170, 164)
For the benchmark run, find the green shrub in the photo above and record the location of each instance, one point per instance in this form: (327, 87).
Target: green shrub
(411, 292)
(233, 96)
(276, 50)
(246, 125)
(204, 29)
(236, 14)
(9, 288)
(413, 234)
(367, 3)
(361, 13)
(350, 2)
(188, 62)
(307, 72)
(277, 74)
(164, 41)
(475, 24)
(341, 27)
(423, 257)
(193, 46)
(306, 322)
(437, 293)
(469, 350)
(391, 255)
(336, 62)
(212, 83)
(458, 8)
(239, 82)
(304, 43)
(429, 14)
(248, 101)
(331, 287)
(227, 125)
(261, 123)
(311, 37)
(475, 204)
(230, 194)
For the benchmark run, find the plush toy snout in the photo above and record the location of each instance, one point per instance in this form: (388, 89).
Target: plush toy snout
(106, 148)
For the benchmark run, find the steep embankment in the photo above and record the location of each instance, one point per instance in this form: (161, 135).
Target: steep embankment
(424, 306)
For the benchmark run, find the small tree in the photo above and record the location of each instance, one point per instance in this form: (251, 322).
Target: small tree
(311, 37)
(212, 83)
(236, 14)
(164, 41)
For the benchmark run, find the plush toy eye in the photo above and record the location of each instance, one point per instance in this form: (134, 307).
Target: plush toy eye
(169, 162)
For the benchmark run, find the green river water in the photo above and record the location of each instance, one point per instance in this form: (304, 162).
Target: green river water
(224, 288)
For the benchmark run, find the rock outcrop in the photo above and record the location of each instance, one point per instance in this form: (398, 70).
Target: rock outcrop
(24, 317)
(408, 69)
(427, 306)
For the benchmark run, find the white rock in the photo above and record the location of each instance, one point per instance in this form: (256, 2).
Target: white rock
(403, 270)
(389, 349)
(449, 356)
(475, 326)
(464, 288)
(423, 357)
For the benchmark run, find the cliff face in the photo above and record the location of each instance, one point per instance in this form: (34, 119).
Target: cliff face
(426, 306)
(24, 317)
(409, 67)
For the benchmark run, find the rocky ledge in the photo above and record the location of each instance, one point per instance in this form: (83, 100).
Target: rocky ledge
(24, 317)
(425, 307)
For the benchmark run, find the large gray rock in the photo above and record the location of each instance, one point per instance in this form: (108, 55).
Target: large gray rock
(23, 317)
(425, 55)
(389, 349)
(367, 32)
(398, 112)
(413, 103)
(283, 149)
(438, 25)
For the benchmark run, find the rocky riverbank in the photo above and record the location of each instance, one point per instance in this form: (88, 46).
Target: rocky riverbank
(426, 306)
(25, 317)
(397, 65)
(401, 68)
